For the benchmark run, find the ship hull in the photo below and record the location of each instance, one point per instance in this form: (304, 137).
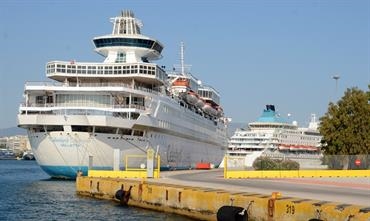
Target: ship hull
(62, 155)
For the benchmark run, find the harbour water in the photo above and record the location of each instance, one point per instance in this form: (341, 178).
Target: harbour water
(27, 193)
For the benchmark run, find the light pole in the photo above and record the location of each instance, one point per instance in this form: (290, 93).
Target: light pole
(336, 78)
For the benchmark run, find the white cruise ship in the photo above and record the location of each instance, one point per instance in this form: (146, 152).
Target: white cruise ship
(272, 135)
(126, 103)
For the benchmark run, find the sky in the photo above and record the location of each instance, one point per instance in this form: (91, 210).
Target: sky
(253, 52)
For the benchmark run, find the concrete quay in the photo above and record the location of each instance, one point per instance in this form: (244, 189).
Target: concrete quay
(200, 195)
(349, 190)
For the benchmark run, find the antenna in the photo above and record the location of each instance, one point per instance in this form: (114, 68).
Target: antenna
(182, 64)
(313, 118)
(182, 58)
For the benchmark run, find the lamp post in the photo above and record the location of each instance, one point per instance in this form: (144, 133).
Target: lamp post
(336, 78)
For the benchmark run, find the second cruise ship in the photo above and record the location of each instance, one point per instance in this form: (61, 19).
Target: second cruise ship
(273, 136)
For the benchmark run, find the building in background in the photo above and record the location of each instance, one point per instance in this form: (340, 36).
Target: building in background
(16, 144)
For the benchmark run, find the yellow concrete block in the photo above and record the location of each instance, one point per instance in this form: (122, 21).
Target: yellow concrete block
(203, 203)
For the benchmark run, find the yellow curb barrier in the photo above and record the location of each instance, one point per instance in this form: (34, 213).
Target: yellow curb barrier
(240, 174)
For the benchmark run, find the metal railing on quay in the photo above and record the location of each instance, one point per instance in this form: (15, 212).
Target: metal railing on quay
(136, 166)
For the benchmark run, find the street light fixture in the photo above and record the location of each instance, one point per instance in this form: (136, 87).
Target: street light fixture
(336, 78)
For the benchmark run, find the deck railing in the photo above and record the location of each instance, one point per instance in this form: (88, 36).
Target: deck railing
(126, 106)
(110, 84)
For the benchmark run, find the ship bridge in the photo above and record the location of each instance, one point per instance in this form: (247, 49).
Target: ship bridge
(126, 44)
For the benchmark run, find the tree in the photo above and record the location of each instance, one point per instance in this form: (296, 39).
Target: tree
(346, 127)
(267, 163)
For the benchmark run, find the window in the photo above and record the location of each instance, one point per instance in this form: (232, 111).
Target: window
(121, 58)
(82, 100)
(134, 115)
(117, 70)
(108, 70)
(124, 131)
(38, 129)
(39, 99)
(49, 99)
(105, 130)
(51, 128)
(138, 133)
(78, 128)
(91, 70)
(100, 70)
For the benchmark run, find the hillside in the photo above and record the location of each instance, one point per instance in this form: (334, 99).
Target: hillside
(11, 131)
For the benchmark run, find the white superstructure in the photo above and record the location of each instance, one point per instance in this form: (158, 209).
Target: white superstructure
(126, 103)
(272, 135)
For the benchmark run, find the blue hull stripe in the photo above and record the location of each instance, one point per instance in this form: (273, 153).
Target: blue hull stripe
(65, 172)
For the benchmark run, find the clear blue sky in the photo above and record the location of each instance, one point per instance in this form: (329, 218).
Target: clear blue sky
(254, 52)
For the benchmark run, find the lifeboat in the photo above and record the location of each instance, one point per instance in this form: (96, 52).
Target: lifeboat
(311, 148)
(209, 109)
(200, 103)
(182, 82)
(298, 148)
(219, 110)
(191, 98)
(294, 148)
(284, 147)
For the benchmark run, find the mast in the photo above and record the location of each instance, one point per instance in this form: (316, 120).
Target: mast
(182, 58)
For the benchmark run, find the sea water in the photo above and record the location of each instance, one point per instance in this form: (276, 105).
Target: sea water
(27, 193)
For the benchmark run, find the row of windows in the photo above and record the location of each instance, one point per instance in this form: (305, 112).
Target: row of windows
(83, 100)
(251, 135)
(44, 99)
(102, 67)
(131, 42)
(300, 137)
(259, 141)
(126, 115)
(80, 128)
(81, 69)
